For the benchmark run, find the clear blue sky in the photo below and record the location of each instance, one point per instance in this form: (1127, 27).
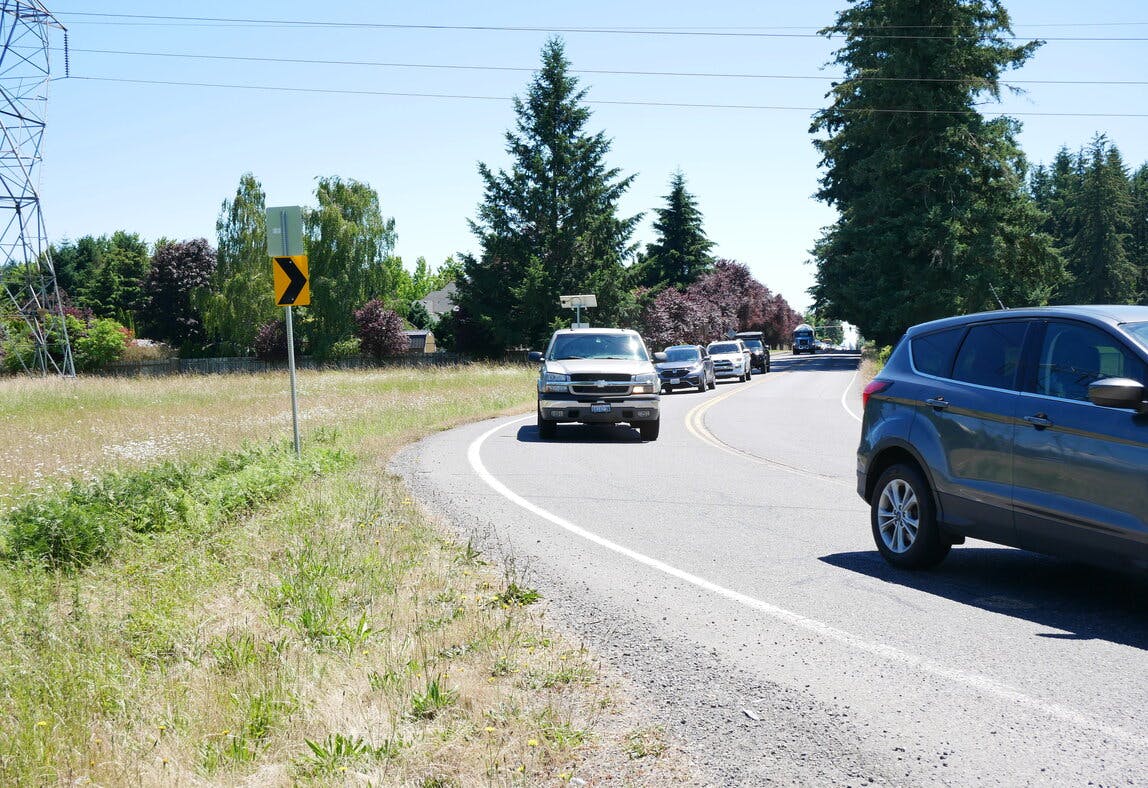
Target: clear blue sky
(159, 159)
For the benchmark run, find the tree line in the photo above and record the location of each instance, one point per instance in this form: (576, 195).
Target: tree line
(939, 212)
(547, 226)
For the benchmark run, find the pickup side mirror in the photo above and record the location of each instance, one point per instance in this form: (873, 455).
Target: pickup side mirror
(1118, 393)
(659, 358)
(534, 355)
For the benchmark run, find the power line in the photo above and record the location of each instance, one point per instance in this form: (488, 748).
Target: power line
(607, 72)
(605, 102)
(721, 33)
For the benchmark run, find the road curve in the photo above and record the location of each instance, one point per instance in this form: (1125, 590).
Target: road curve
(728, 569)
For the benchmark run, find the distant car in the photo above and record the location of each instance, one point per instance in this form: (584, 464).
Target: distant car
(686, 366)
(1025, 427)
(758, 349)
(731, 359)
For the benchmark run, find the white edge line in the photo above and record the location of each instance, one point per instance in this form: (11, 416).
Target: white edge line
(848, 388)
(971, 680)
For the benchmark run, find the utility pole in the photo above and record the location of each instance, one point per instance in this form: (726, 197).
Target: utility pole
(31, 293)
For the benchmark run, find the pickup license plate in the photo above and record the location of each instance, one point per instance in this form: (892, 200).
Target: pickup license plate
(599, 408)
(675, 381)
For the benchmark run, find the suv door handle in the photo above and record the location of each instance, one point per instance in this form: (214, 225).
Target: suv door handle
(937, 403)
(1040, 421)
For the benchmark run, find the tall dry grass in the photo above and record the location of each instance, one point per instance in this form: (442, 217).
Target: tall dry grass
(337, 636)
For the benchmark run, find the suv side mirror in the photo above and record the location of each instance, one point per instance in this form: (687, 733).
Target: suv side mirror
(659, 357)
(534, 355)
(1118, 393)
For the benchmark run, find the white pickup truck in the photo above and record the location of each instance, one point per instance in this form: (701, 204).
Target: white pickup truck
(597, 375)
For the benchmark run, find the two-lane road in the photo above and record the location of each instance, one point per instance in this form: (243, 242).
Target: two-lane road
(728, 568)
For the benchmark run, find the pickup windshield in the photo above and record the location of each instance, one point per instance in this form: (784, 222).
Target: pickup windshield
(617, 346)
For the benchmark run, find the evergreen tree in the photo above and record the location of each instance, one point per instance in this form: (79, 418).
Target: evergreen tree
(349, 244)
(681, 252)
(933, 214)
(1138, 243)
(1055, 191)
(241, 297)
(548, 226)
(1097, 253)
(76, 262)
(114, 284)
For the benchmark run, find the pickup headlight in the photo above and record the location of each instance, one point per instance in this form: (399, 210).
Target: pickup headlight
(555, 382)
(646, 384)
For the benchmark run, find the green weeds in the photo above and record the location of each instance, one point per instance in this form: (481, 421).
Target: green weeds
(84, 522)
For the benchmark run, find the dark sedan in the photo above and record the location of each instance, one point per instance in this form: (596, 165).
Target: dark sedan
(686, 366)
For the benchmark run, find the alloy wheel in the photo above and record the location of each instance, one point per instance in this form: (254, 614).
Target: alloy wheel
(898, 515)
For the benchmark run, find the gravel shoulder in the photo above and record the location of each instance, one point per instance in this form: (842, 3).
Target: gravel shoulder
(723, 725)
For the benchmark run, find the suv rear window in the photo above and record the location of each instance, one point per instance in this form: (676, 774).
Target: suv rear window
(933, 353)
(990, 354)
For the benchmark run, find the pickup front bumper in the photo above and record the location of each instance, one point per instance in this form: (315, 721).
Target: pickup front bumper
(564, 408)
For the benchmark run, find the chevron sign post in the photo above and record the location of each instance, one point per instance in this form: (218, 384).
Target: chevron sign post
(292, 286)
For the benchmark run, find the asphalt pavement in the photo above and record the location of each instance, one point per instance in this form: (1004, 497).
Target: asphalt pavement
(728, 569)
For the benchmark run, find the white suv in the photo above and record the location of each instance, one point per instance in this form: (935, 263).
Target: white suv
(597, 375)
(731, 359)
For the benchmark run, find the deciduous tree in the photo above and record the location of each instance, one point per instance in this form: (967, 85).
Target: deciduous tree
(349, 244)
(179, 270)
(241, 297)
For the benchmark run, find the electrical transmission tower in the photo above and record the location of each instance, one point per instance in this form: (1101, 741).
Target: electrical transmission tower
(30, 294)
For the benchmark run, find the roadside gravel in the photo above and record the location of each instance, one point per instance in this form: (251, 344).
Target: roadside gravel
(722, 725)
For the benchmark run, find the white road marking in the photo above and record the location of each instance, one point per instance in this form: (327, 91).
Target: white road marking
(971, 681)
(845, 393)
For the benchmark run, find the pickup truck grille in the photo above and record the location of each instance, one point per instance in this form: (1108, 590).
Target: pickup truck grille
(723, 365)
(594, 377)
(607, 389)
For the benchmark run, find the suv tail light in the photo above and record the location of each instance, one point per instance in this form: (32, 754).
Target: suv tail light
(874, 387)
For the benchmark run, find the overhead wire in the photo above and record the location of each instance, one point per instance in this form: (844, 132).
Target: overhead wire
(605, 72)
(606, 102)
(652, 31)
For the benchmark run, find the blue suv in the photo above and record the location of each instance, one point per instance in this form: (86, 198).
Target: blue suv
(1025, 427)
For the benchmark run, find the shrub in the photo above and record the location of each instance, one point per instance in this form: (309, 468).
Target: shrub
(380, 330)
(100, 344)
(346, 348)
(271, 341)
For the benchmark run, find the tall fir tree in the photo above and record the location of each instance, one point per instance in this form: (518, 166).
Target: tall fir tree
(1138, 244)
(114, 287)
(934, 218)
(241, 297)
(1097, 253)
(681, 252)
(548, 226)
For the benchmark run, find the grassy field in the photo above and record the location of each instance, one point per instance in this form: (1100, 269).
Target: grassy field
(183, 602)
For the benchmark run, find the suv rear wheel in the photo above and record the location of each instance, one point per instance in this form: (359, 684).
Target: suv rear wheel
(905, 520)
